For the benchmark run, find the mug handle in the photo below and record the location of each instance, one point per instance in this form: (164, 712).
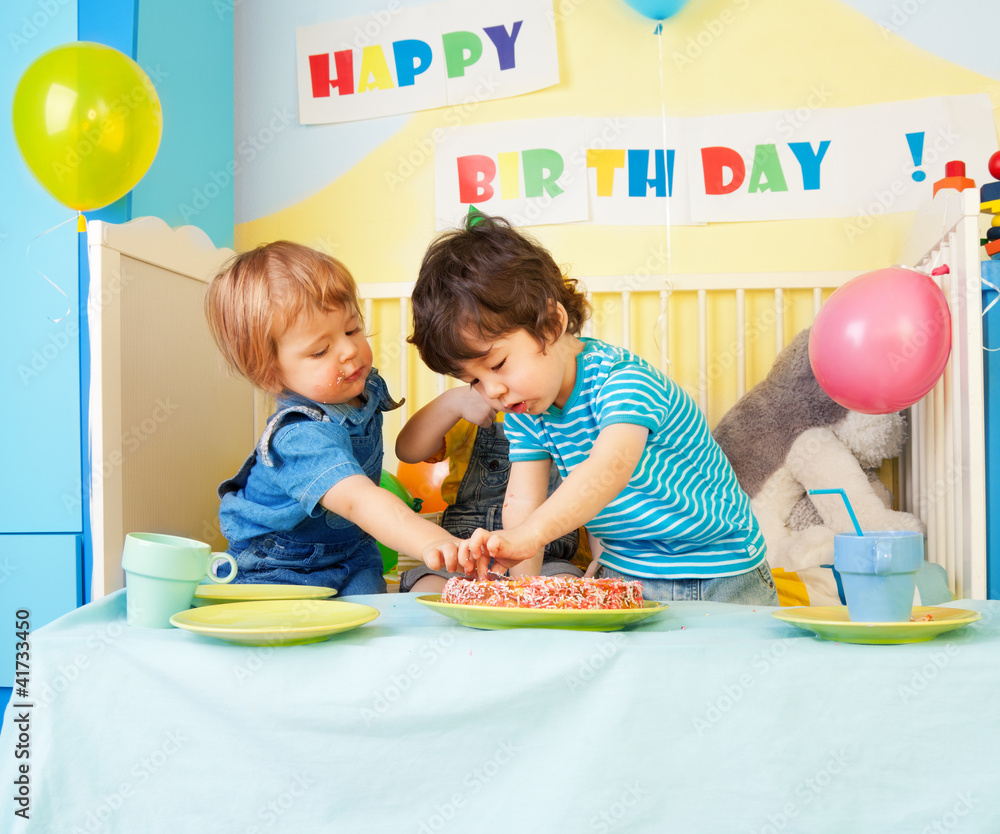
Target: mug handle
(222, 580)
(883, 557)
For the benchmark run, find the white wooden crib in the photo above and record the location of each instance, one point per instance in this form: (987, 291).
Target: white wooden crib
(715, 334)
(944, 465)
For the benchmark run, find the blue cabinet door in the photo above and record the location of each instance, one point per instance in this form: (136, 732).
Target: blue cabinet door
(39, 574)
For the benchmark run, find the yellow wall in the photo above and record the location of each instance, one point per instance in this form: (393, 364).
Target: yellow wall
(755, 55)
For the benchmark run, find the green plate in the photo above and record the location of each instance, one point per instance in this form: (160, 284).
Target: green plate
(209, 593)
(484, 616)
(274, 622)
(831, 622)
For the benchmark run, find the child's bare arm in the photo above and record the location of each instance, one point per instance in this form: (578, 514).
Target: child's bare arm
(422, 436)
(380, 513)
(587, 490)
(527, 488)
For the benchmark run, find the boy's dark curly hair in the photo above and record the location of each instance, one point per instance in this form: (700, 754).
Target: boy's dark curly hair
(482, 282)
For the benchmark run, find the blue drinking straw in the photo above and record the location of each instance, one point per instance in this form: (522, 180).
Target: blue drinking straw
(850, 509)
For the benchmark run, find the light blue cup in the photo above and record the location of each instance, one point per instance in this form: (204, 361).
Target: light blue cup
(879, 572)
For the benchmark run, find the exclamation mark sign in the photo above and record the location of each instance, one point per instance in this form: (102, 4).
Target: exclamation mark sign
(916, 143)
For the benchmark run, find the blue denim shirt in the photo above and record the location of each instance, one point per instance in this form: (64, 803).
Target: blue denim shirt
(270, 511)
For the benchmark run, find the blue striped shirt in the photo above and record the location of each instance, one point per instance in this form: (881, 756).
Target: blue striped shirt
(683, 513)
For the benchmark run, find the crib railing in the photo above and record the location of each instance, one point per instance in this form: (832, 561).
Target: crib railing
(715, 334)
(944, 467)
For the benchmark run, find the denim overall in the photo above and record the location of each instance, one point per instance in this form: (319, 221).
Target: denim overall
(324, 549)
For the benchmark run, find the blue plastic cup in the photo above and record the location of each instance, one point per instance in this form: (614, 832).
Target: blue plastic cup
(879, 572)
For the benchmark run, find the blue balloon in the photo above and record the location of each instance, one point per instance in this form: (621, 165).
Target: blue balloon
(657, 9)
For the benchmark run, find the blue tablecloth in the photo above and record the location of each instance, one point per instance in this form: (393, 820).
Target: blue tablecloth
(713, 718)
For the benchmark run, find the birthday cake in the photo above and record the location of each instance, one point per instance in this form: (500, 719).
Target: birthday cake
(545, 592)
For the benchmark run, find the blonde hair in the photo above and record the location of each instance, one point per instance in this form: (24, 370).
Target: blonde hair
(258, 294)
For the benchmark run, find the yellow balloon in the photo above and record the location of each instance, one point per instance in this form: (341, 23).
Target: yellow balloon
(88, 122)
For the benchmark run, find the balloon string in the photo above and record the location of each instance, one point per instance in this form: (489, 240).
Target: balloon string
(663, 118)
(69, 306)
(667, 177)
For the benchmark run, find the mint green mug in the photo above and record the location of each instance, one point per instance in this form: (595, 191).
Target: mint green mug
(162, 573)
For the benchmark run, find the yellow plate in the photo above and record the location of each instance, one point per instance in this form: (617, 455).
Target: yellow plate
(274, 622)
(484, 616)
(212, 593)
(831, 623)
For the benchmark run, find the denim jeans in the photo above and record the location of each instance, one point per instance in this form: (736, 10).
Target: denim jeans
(755, 587)
(280, 560)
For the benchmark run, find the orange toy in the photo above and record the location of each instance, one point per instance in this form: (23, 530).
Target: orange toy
(954, 177)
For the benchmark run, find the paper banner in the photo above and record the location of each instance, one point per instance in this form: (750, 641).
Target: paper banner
(400, 60)
(854, 162)
(632, 166)
(841, 162)
(523, 171)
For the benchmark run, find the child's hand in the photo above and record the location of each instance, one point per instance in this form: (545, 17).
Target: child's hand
(504, 547)
(382, 514)
(423, 435)
(475, 408)
(444, 553)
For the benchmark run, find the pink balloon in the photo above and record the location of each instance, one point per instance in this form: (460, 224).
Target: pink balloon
(881, 341)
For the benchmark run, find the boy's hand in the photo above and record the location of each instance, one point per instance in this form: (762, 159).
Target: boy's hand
(445, 553)
(475, 408)
(504, 547)
(380, 513)
(423, 435)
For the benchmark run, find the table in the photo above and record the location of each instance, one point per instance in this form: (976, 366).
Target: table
(712, 718)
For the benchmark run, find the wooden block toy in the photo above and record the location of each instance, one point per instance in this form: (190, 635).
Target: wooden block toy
(989, 197)
(954, 177)
(989, 193)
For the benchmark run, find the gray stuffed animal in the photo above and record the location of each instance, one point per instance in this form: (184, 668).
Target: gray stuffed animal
(787, 436)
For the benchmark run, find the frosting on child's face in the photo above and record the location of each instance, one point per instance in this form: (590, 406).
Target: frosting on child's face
(519, 376)
(325, 356)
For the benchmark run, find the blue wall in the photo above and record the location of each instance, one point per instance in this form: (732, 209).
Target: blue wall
(186, 48)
